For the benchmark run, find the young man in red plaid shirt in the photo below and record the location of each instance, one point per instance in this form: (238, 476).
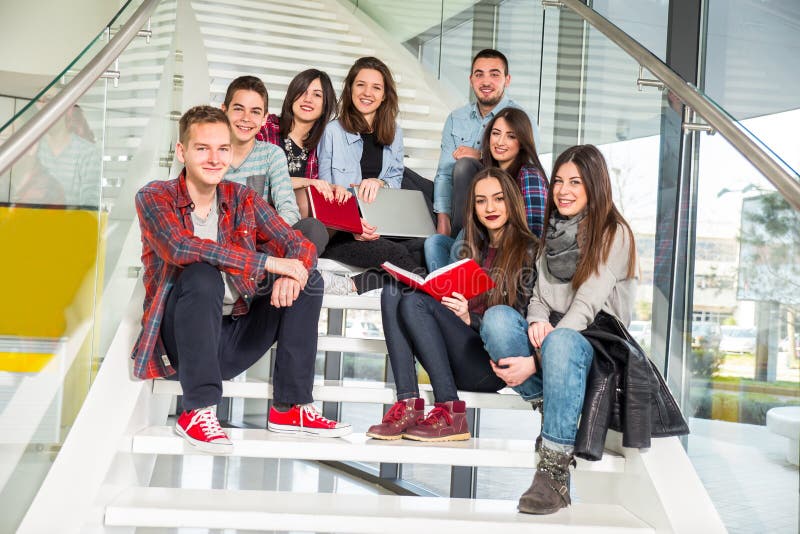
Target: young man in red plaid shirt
(225, 277)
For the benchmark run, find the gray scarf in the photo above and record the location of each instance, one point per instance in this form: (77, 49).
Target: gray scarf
(562, 251)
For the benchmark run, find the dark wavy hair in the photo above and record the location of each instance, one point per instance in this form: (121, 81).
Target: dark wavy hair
(517, 248)
(247, 83)
(296, 88)
(385, 123)
(520, 124)
(602, 220)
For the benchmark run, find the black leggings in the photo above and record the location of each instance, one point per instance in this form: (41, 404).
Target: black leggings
(407, 254)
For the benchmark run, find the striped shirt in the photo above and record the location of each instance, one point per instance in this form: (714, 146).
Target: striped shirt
(265, 170)
(533, 186)
(249, 231)
(77, 168)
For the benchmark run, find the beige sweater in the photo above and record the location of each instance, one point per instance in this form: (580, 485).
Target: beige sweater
(607, 290)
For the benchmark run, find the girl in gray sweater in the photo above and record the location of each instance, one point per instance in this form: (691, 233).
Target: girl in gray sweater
(587, 264)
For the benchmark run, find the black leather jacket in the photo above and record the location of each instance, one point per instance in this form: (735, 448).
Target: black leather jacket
(624, 392)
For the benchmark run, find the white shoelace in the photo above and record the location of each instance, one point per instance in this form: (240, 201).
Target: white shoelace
(207, 420)
(310, 411)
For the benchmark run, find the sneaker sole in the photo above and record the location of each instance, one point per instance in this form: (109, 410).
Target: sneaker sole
(454, 437)
(321, 432)
(385, 438)
(211, 448)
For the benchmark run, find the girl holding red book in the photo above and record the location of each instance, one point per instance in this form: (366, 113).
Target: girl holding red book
(445, 335)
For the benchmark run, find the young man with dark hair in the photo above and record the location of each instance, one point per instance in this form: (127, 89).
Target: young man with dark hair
(461, 138)
(262, 165)
(225, 277)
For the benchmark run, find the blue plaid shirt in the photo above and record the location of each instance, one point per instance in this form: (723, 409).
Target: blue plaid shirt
(533, 185)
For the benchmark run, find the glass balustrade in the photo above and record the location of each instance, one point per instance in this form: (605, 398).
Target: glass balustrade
(740, 361)
(582, 88)
(66, 209)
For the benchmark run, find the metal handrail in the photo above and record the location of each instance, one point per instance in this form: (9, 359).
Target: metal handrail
(25, 137)
(785, 180)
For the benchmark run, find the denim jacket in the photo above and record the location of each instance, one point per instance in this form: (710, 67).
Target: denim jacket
(340, 152)
(464, 127)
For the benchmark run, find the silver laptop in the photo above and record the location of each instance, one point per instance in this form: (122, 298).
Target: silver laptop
(398, 213)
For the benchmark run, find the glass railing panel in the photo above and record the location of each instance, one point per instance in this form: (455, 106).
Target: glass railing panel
(751, 65)
(743, 344)
(139, 139)
(54, 223)
(61, 216)
(644, 20)
(53, 87)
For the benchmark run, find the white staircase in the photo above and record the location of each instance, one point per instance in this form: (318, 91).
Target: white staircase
(281, 38)
(99, 481)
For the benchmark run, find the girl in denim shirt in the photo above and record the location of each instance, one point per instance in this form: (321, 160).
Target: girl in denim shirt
(363, 147)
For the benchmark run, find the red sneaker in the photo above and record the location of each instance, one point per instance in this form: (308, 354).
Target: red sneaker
(305, 419)
(201, 429)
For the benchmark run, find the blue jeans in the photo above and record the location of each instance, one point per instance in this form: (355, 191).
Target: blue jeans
(561, 377)
(416, 324)
(441, 250)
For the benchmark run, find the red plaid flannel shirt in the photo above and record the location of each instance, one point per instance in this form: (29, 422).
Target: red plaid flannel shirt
(271, 133)
(249, 230)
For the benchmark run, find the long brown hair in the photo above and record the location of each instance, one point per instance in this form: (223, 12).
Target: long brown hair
(599, 227)
(296, 88)
(512, 266)
(520, 124)
(385, 123)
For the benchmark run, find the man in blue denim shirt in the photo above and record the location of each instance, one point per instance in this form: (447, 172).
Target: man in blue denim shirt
(461, 138)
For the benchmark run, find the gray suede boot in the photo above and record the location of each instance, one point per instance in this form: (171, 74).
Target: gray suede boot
(538, 406)
(549, 491)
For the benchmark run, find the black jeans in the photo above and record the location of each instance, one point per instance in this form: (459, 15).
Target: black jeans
(452, 353)
(464, 171)
(206, 347)
(314, 231)
(407, 254)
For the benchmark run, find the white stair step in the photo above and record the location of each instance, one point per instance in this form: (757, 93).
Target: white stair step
(277, 92)
(431, 126)
(261, 443)
(127, 122)
(306, 42)
(354, 302)
(248, 64)
(316, 56)
(280, 27)
(350, 344)
(308, 10)
(315, 512)
(354, 391)
(270, 77)
(416, 142)
(233, 17)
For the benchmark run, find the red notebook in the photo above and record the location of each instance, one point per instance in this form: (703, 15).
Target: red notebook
(464, 276)
(342, 216)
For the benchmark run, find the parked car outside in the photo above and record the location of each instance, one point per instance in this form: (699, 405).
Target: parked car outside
(738, 339)
(706, 335)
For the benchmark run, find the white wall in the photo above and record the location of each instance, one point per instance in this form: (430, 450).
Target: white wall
(42, 36)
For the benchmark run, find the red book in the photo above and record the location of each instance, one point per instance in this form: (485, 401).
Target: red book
(334, 215)
(464, 276)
